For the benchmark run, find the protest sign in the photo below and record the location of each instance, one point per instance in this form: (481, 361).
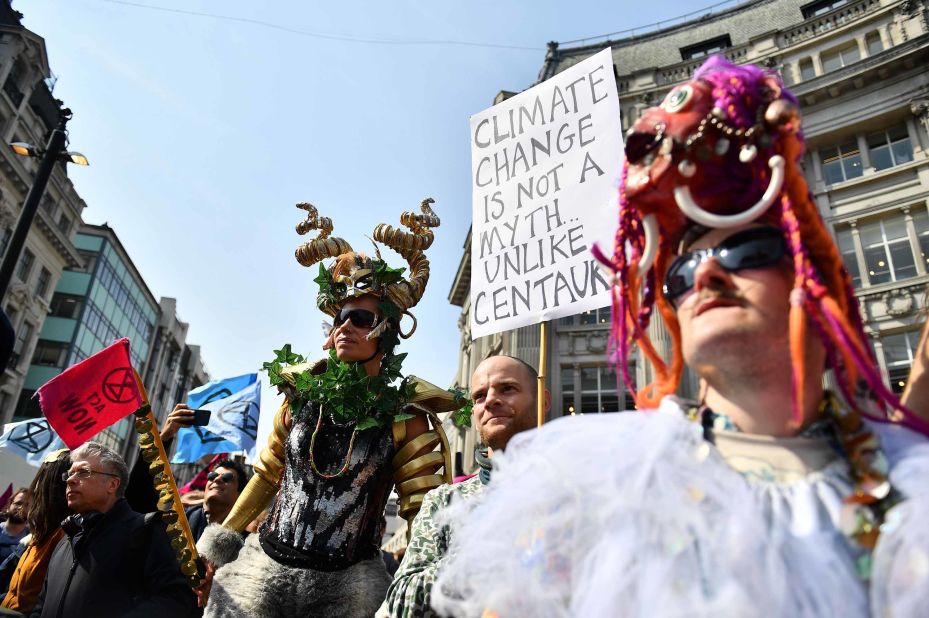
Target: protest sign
(89, 397)
(234, 404)
(545, 168)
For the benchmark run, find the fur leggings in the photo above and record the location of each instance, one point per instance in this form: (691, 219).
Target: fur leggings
(256, 586)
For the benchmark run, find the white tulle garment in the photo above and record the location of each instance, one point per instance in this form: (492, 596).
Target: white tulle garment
(635, 514)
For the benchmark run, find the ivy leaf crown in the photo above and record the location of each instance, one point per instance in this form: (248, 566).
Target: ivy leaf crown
(345, 391)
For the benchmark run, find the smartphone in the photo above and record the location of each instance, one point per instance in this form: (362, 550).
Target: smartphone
(201, 417)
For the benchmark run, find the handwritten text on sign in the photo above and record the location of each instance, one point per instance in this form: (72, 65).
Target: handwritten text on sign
(545, 165)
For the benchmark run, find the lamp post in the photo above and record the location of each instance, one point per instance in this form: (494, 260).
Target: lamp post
(51, 154)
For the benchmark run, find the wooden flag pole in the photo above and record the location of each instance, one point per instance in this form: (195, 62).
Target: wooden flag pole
(169, 500)
(543, 366)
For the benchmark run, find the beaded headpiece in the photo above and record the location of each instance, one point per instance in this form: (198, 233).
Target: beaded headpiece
(353, 274)
(721, 151)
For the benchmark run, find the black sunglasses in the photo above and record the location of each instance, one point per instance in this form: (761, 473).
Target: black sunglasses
(225, 477)
(753, 248)
(362, 318)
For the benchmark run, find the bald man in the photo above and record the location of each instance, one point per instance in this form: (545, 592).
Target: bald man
(504, 393)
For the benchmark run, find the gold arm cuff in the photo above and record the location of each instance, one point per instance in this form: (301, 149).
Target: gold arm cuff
(399, 431)
(429, 460)
(426, 440)
(421, 484)
(269, 469)
(255, 498)
(410, 505)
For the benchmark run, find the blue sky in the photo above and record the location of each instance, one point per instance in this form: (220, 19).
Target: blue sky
(203, 133)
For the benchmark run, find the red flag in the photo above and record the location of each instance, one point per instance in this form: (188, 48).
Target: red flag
(6, 496)
(89, 397)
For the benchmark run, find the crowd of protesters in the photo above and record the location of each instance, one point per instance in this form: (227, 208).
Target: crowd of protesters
(85, 539)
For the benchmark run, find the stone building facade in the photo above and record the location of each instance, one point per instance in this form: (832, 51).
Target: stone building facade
(861, 71)
(28, 111)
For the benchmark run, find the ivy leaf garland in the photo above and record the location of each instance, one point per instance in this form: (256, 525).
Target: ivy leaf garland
(462, 416)
(345, 391)
(282, 357)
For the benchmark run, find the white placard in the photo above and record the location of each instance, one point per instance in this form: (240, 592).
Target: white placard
(545, 166)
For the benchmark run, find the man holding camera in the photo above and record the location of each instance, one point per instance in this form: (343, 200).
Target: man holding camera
(224, 483)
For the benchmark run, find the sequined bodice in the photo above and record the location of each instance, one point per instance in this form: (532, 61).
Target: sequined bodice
(330, 524)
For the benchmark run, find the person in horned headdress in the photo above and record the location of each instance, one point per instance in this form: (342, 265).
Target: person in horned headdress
(350, 429)
(772, 496)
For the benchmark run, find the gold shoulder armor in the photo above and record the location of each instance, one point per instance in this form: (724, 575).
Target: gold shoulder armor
(418, 467)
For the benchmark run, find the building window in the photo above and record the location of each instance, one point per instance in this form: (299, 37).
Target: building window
(874, 44)
(90, 260)
(50, 353)
(11, 85)
(836, 59)
(891, 147)
(815, 9)
(25, 265)
(5, 237)
(806, 69)
(567, 391)
(898, 357)
(587, 318)
(27, 406)
(887, 251)
(841, 163)
(64, 224)
(48, 205)
(849, 256)
(23, 336)
(921, 222)
(599, 390)
(706, 48)
(41, 284)
(594, 316)
(66, 306)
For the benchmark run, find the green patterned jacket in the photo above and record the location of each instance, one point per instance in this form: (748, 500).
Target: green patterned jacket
(408, 596)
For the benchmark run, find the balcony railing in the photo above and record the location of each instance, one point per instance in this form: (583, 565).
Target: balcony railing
(829, 21)
(683, 71)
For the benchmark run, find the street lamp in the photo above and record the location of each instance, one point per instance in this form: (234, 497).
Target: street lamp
(53, 152)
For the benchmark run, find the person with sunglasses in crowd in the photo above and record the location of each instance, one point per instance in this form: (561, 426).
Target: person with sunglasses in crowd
(224, 483)
(351, 427)
(771, 495)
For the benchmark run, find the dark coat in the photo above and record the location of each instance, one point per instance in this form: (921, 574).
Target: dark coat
(119, 564)
(197, 520)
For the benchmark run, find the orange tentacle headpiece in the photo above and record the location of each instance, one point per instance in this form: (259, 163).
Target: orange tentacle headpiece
(722, 151)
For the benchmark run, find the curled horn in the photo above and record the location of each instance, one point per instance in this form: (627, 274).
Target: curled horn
(410, 245)
(322, 246)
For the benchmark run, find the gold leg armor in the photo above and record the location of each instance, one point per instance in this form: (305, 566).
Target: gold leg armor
(269, 469)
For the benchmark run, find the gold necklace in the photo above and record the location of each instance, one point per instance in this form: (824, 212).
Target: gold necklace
(348, 457)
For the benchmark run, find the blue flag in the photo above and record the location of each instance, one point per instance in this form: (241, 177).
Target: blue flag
(235, 404)
(32, 440)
